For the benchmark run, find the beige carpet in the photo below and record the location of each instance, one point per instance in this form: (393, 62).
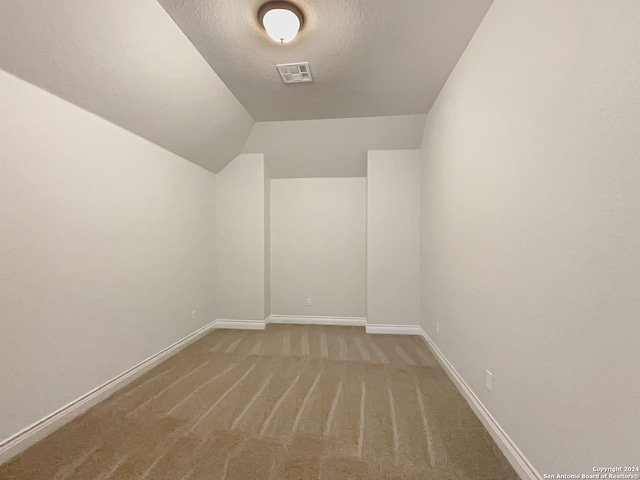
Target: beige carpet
(290, 402)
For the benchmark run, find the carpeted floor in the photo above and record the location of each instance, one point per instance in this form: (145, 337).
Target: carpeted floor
(290, 402)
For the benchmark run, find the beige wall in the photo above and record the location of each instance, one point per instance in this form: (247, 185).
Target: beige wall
(318, 246)
(241, 239)
(335, 147)
(107, 246)
(267, 242)
(393, 237)
(530, 215)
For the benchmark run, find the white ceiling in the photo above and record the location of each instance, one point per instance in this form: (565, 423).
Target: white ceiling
(368, 57)
(331, 148)
(128, 62)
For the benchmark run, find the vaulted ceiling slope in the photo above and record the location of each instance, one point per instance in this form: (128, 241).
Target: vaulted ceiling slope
(368, 57)
(331, 148)
(129, 63)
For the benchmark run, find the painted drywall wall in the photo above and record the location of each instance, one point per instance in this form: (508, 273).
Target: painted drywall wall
(267, 242)
(332, 147)
(241, 243)
(393, 237)
(530, 238)
(318, 246)
(129, 63)
(108, 245)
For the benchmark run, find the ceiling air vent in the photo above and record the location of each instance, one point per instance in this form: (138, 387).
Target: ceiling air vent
(295, 72)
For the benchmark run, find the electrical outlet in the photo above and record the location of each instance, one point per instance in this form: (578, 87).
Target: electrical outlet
(488, 380)
(193, 315)
(308, 302)
(437, 327)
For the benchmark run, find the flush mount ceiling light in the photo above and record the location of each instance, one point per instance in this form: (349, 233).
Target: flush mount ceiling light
(281, 20)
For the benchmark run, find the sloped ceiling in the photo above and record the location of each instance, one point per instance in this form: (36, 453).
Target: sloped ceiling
(128, 62)
(378, 66)
(331, 148)
(368, 57)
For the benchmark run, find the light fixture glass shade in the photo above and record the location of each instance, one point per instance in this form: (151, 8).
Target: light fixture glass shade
(282, 25)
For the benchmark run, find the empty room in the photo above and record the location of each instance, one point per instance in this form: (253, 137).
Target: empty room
(319, 239)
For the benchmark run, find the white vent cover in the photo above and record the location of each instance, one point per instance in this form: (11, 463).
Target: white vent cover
(295, 72)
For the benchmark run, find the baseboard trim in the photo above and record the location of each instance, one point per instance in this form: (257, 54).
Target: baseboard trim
(239, 324)
(22, 440)
(394, 329)
(311, 320)
(513, 454)
(19, 442)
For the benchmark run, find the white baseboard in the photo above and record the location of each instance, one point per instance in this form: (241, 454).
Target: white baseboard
(516, 458)
(394, 329)
(239, 324)
(310, 320)
(22, 440)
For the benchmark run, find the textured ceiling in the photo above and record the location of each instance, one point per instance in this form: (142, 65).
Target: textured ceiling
(368, 57)
(331, 148)
(378, 66)
(128, 62)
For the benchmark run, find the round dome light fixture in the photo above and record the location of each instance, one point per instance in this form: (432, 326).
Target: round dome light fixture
(281, 20)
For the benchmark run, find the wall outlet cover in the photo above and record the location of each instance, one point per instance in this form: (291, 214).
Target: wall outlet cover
(488, 380)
